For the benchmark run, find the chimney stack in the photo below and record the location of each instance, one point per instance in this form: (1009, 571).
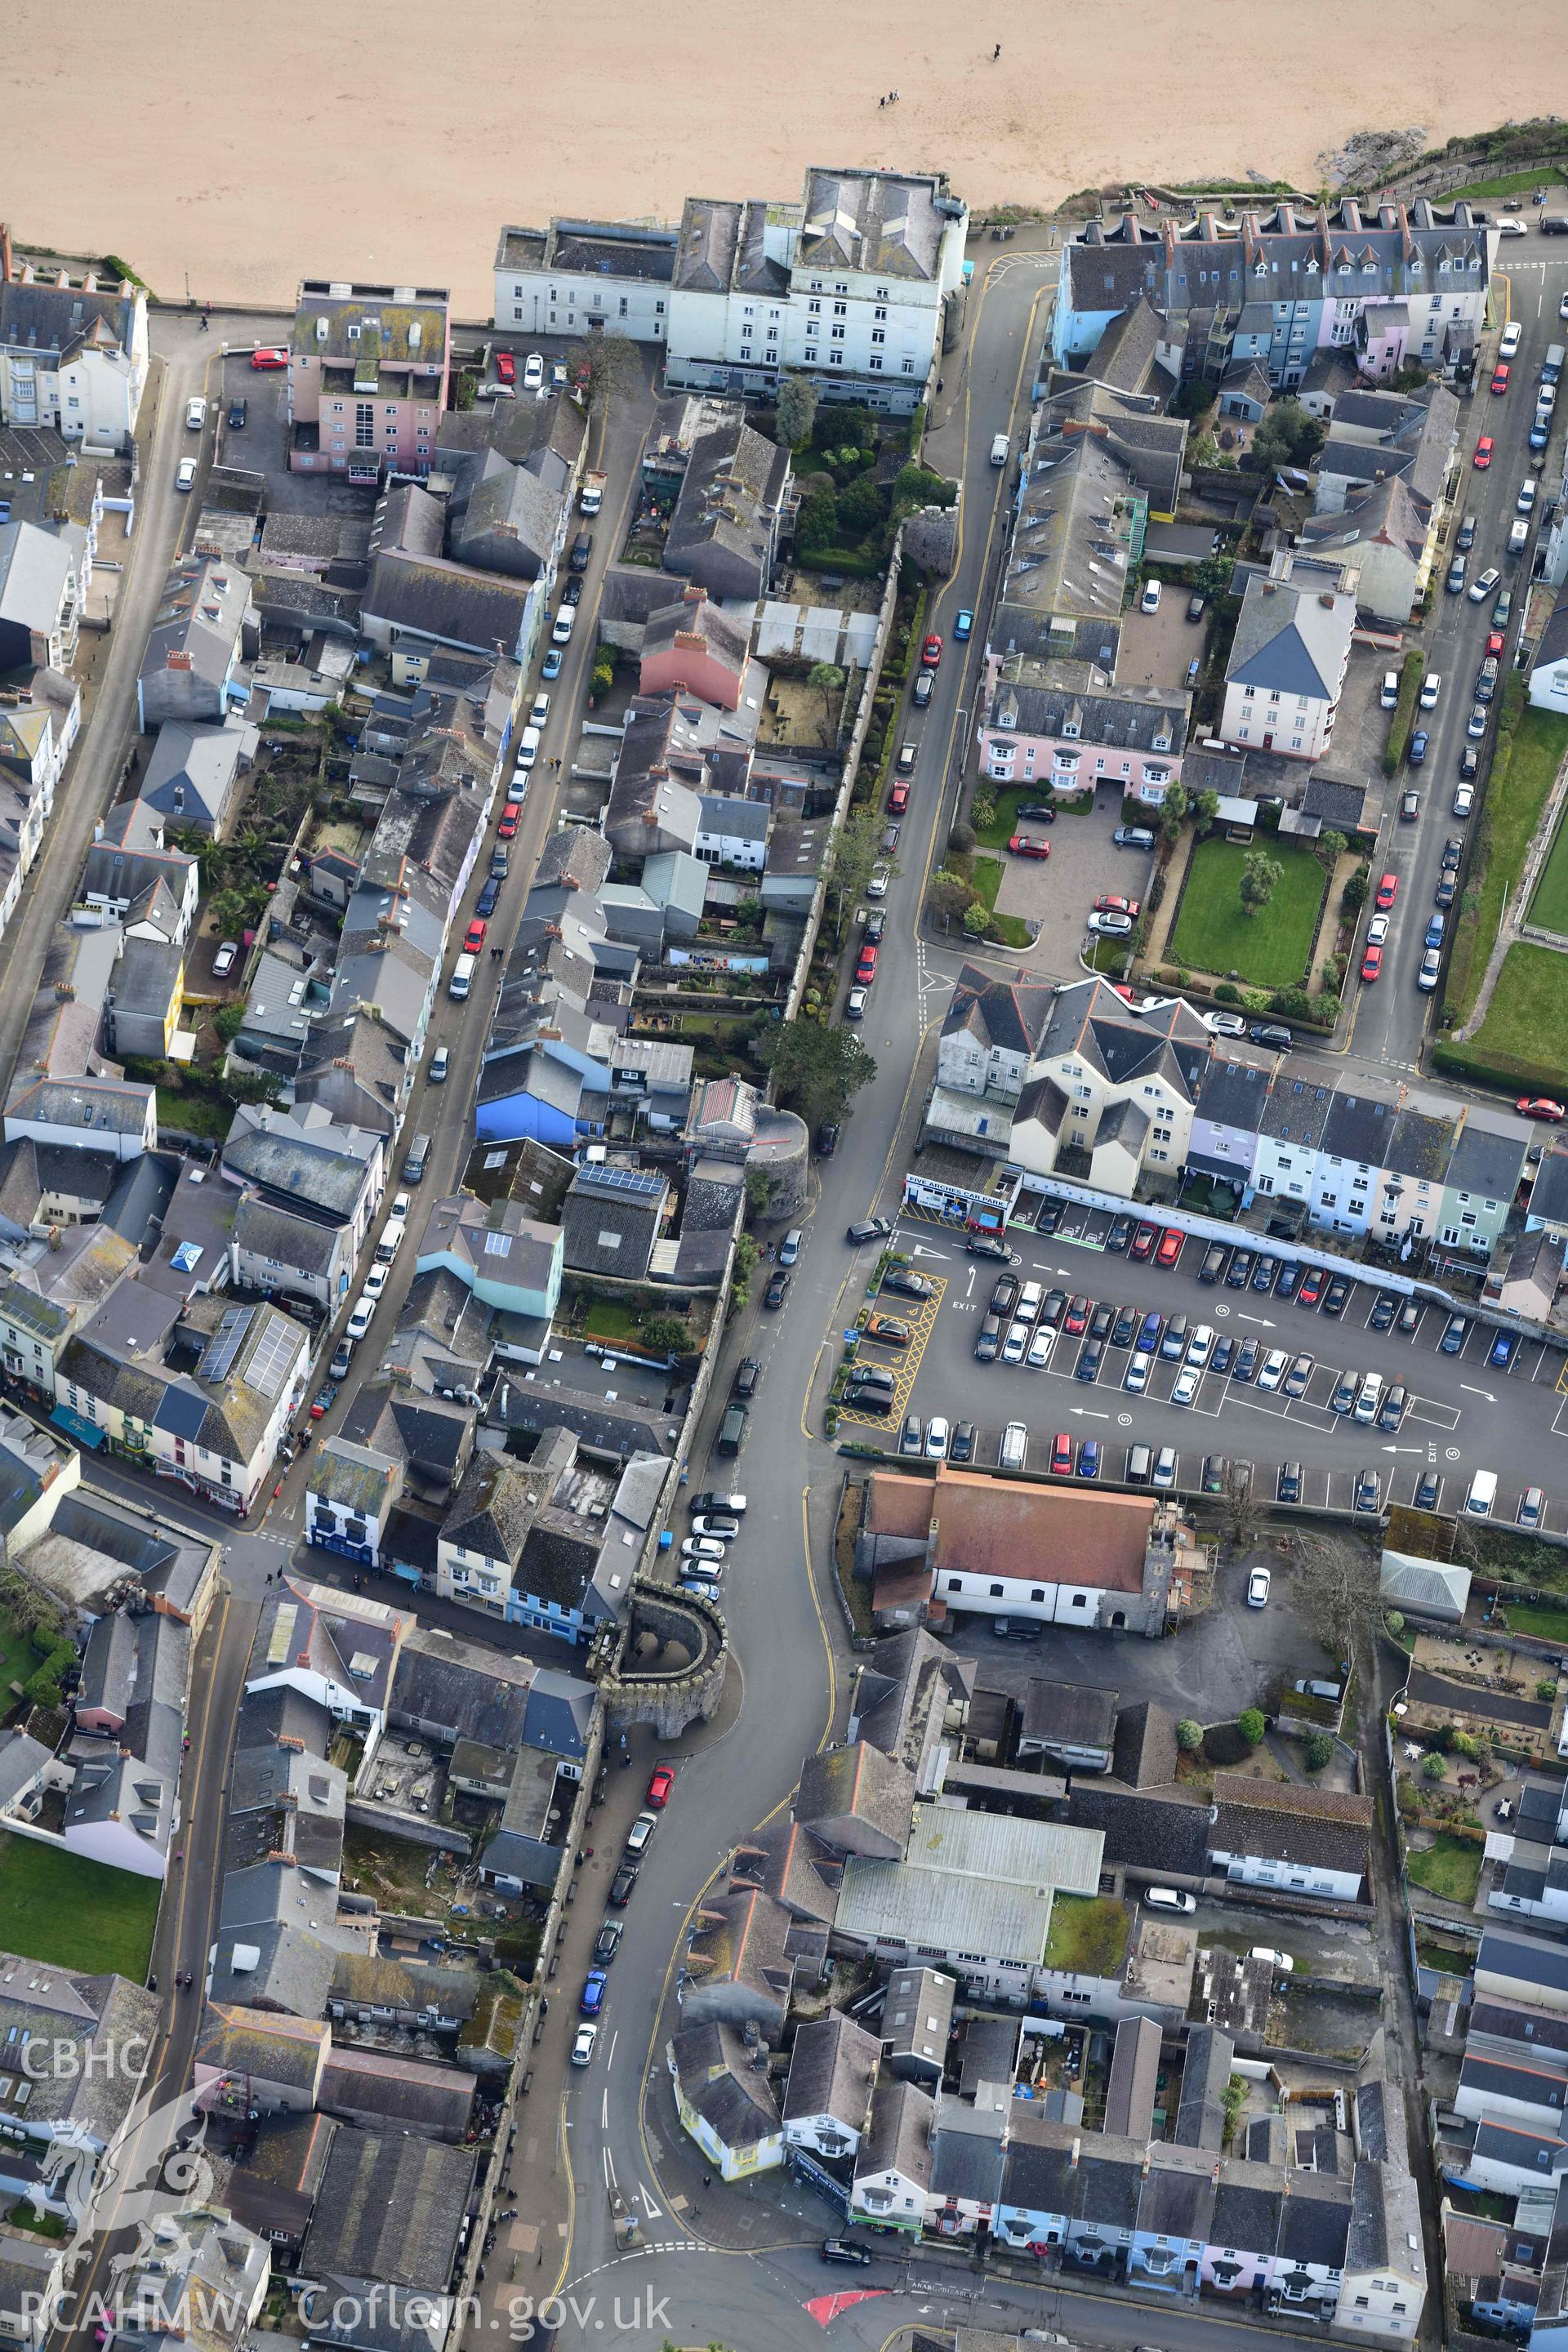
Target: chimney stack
(4, 253)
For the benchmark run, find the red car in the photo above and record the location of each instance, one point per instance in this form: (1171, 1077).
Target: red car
(1109, 904)
(1061, 1457)
(931, 652)
(506, 367)
(898, 800)
(1143, 1241)
(1312, 1287)
(510, 816)
(1542, 1107)
(865, 969)
(1371, 964)
(1500, 376)
(271, 359)
(1483, 456)
(474, 937)
(660, 1787)
(1495, 644)
(1076, 1321)
(1022, 846)
(1170, 1248)
(1387, 891)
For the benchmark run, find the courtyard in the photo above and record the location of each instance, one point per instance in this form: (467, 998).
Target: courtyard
(1211, 933)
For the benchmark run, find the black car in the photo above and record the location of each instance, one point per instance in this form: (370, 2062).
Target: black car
(1454, 1333)
(1238, 1272)
(864, 1400)
(875, 924)
(868, 1229)
(1224, 1350)
(1052, 1308)
(1265, 1272)
(1120, 1233)
(237, 416)
(1038, 811)
(1469, 763)
(961, 1445)
(485, 904)
(1289, 1487)
(924, 685)
(1334, 1298)
(1217, 1470)
(1271, 1033)
(748, 1373)
(1446, 892)
(1213, 1265)
(1467, 535)
(1289, 1280)
(1050, 1216)
(572, 591)
(908, 1283)
(988, 1246)
(1125, 1326)
(1409, 1316)
(778, 1283)
(1246, 1362)
(1453, 850)
(1005, 1296)
(843, 2250)
(1429, 1486)
(1385, 1308)
(1090, 1356)
(988, 1339)
(1103, 1322)
(828, 1138)
(1195, 608)
(607, 1942)
(621, 1887)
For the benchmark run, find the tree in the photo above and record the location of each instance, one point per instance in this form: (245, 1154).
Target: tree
(227, 909)
(795, 409)
(746, 1257)
(819, 1070)
(977, 918)
(759, 1192)
(1174, 804)
(1432, 1768)
(1546, 1690)
(228, 1021)
(1251, 1725)
(1240, 1511)
(604, 369)
(1287, 436)
(665, 1335)
(1330, 847)
(828, 680)
(1319, 1751)
(1261, 877)
(1354, 895)
(1212, 576)
(961, 840)
(1206, 808)
(1189, 1736)
(857, 849)
(1335, 1589)
(817, 524)
(950, 895)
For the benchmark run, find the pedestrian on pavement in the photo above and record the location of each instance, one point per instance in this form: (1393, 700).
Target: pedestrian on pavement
(205, 327)
(996, 53)
(708, 2180)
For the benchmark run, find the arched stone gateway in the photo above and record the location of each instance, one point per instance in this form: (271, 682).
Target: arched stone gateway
(679, 1680)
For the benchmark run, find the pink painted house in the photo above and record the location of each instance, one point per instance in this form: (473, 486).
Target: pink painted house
(694, 644)
(368, 369)
(1064, 726)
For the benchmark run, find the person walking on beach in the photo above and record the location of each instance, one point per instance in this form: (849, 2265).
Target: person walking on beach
(996, 53)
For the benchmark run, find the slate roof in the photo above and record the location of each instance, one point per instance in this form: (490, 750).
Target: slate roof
(390, 2208)
(1314, 2222)
(1247, 2208)
(832, 2069)
(1359, 1121)
(1144, 1753)
(1010, 1015)
(1287, 637)
(1038, 2171)
(1206, 2071)
(1318, 1828)
(1487, 1161)
(903, 2119)
(1146, 1832)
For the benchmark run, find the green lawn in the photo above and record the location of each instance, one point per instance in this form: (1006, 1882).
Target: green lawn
(1088, 1935)
(75, 1914)
(1511, 183)
(1516, 793)
(1537, 1617)
(1524, 1037)
(986, 872)
(1271, 949)
(1449, 1867)
(1549, 908)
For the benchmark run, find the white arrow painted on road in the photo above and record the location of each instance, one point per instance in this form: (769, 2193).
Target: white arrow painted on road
(1405, 1449)
(1262, 1321)
(919, 1250)
(1480, 1393)
(1083, 1412)
(655, 2212)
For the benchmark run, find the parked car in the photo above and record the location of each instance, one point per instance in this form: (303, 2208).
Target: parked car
(1485, 585)
(583, 2043)
(1258, 1588)
(1287, 1488)
(778, 1283)
(271, 358)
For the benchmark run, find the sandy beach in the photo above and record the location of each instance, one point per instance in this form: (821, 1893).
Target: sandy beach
(246, 152)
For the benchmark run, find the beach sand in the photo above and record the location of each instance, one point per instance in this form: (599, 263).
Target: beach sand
(247, 150)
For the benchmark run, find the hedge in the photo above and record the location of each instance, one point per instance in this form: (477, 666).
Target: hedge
(1411, 671)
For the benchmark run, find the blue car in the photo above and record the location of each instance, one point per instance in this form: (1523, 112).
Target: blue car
(964, 623)
(1504, 1349)
(593, 1999)
(1224, 1351)
(1149, 1335)
(1088, 1458)
(551, 663)
(1417, 756)
(1436, 925)
(484, 905)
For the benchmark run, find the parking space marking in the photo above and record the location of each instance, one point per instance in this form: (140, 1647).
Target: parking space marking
(1441, 1417)
(922, 1320)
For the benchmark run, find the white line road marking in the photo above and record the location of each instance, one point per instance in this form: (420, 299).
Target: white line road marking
(1262, 1321)
(655, 2212)
(613, 2039)
(1403, 1449)
(1480, 1393)
(1083, 1412)
(605, 2109)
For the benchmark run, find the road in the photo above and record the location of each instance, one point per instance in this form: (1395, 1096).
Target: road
(1387, 1024)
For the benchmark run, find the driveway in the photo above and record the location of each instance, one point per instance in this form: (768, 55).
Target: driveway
(1158, 649)
(1057, 892)
(261, 445)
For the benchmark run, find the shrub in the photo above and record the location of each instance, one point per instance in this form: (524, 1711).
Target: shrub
(977, 920)
(1357, 885)
(1546, 1689)
(961, 840)
(1466, 1744)
(1156, 890)
(1251, 1725)
(1432, 1768)
(1395, 1622)
(1189, 1735)
(1411, 671)
(1319, 1751)
(981, 811)
(1227, 993)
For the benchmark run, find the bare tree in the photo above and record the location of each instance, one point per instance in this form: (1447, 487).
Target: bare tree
(604, 369)
(1335, 1589)
(1240, 1514)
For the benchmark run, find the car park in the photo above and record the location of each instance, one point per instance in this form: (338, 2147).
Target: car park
(1091, 1355)
(939, 1435)
(1454, 1333)
(703, 1548)
(1337, 1293)
(1503, 1350)
(1238, 1274)
(1150, 600)
(1200, 1347)
(1124, 1330)
(1214, 1263)
(1109, 926)
(1258, 1588)
(1149, 1332)
(1289, 1280)
(1015, 1346)
(1311, 1287)
(1266, 1271)
(1392, 1410)
(1170, 1244)
(906, 1283)
(1075, 1322)
(1385, 1308)
(1215, 1472)
(1184, 1388)
(987, 1245)
(1428, 1488)
(1102, 1322)
(1224, 1350)
(1173, 1345)
(717, 1524)
(1144, 1243)
(1388, 693)
(1024, 845)
(1134, 837)
(1088, 1458)
(1409, 1317)
(1344, 1393)
(1061, 1457)
(1165, 1467)
(533, 372)
(1532, 1507)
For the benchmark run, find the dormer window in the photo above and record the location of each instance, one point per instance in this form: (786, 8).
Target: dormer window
(1070, 729)
(1006, 717)
(354, 334)
(1163, 740)
(1312, 264)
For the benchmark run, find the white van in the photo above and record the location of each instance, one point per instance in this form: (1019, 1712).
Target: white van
(1482, 1495)
(528, 747)
(1015, 1446)
(999, 449)
(1371, 1396)
(462, 978)
(391, 1240)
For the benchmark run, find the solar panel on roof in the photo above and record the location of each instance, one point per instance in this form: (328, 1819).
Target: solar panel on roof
(217, 1360)
(639, 1181)
(268, 1367)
